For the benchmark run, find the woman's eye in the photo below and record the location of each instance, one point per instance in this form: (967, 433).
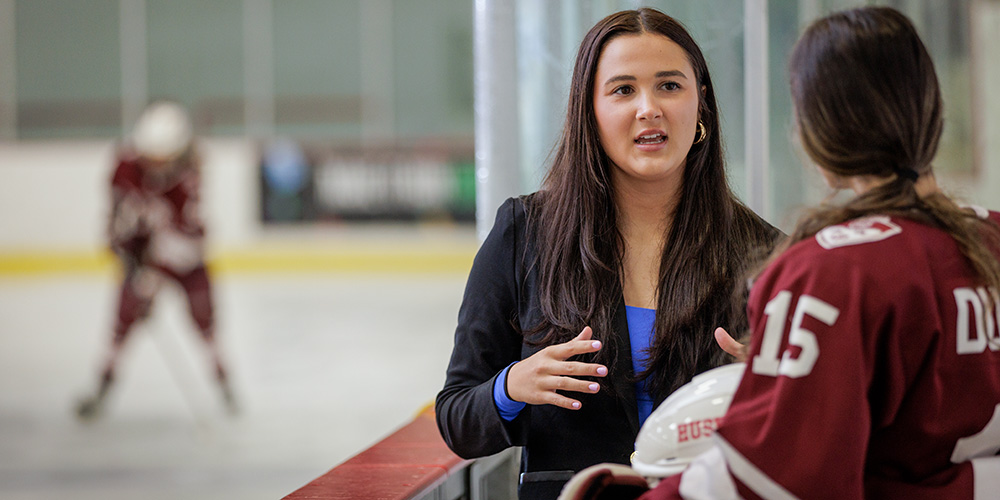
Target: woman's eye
(623, 90)
(671, 86)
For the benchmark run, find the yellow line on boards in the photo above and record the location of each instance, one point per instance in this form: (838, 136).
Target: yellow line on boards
(377, 260)
(54, 262)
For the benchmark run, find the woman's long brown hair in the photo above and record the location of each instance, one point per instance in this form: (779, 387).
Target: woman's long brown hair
(867, 102)
(712, 241)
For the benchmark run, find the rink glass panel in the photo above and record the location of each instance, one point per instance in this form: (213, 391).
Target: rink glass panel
(397, 74)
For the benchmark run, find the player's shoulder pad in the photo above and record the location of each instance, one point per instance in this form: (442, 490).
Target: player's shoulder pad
(856, 232)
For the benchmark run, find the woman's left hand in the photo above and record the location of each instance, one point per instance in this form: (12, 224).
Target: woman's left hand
(730, 345)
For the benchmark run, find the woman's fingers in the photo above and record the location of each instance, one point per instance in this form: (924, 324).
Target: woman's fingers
(580, 369)
(573, 385)
(730, 345)
(570, 385)
(537, 379)
(581, 344)
(561, 401)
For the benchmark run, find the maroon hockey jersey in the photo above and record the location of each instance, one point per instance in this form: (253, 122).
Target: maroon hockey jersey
(874, 372)
(155, 215)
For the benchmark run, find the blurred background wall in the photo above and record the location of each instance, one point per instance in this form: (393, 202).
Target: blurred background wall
(342, 111)
(311, 111)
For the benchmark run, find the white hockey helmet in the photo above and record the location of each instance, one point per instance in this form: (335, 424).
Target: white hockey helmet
(163, 131)
(681, 427)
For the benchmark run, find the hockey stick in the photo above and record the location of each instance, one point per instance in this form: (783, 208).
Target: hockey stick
(172, 359)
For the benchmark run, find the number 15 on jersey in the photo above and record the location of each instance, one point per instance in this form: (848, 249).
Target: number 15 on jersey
(773, 363)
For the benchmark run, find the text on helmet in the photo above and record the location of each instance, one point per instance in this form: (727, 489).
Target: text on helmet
(699, 429)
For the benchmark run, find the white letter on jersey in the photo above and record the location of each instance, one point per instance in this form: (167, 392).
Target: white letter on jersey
(969, 340)
(767, 363)
(776, 310)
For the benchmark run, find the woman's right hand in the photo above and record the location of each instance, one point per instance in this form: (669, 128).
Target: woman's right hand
(536, 379)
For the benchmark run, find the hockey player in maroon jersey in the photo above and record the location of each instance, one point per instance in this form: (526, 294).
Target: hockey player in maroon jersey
(156, 232)
(873, 369)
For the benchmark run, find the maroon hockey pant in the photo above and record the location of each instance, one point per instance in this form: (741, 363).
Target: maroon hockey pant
(140, 286)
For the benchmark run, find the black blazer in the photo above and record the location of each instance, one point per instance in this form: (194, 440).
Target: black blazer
(500, 302)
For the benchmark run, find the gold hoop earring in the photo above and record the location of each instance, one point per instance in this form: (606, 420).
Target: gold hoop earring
(702, 133)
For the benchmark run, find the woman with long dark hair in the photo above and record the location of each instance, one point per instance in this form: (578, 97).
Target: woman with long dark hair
(874, 365)
(595, 297)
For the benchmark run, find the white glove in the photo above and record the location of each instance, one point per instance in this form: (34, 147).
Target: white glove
(176, 251)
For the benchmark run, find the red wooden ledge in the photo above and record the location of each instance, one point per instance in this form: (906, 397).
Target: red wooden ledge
(405, 464)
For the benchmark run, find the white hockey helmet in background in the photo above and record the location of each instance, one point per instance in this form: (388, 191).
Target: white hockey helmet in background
(680, 428)
(163, 131)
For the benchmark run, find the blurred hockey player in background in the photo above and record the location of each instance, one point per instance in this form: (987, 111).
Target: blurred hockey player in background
(156, 232)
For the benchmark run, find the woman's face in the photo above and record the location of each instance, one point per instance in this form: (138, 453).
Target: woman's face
(646, 105)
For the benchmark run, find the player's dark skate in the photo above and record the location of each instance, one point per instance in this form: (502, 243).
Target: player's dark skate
(88, 409)
(91, 407)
